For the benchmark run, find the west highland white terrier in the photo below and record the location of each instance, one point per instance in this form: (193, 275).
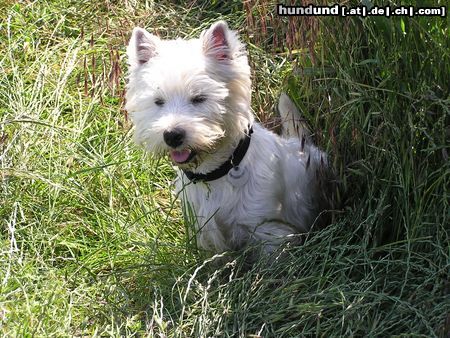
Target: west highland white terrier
(246, 185)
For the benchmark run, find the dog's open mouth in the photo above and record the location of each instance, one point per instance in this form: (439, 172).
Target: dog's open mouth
(182, 156)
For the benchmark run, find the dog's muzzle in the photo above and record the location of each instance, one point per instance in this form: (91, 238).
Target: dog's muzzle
(174, 138)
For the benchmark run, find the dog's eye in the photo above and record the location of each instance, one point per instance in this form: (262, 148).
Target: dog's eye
(159, 101)
(198, 99)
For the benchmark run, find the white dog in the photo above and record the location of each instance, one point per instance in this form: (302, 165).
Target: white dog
(191, 99)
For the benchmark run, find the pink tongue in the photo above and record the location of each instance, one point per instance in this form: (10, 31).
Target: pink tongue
(180, 156)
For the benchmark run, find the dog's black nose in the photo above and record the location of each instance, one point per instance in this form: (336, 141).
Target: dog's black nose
(174, 137)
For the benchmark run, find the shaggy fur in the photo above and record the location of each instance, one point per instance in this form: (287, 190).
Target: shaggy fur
(191, 99)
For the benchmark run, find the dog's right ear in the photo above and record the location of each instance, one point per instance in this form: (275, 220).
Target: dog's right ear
(142, 47)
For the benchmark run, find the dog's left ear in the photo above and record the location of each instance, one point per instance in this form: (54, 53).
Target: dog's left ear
(216, 42)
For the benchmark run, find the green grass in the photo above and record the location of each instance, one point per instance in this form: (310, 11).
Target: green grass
(94, 244)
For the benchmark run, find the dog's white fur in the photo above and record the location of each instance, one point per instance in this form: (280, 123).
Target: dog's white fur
(280, 196)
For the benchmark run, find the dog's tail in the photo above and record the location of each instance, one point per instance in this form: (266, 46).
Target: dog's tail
(292, 123)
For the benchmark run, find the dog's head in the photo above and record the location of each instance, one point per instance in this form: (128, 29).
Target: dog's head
(188, 98)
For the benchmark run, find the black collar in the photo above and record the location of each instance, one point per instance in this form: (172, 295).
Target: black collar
(234, 160)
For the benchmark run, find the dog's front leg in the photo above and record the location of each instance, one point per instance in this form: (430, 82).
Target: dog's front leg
(271, 234)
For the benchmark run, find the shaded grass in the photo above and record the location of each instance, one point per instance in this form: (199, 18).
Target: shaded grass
(387, 99)
(93, 243)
